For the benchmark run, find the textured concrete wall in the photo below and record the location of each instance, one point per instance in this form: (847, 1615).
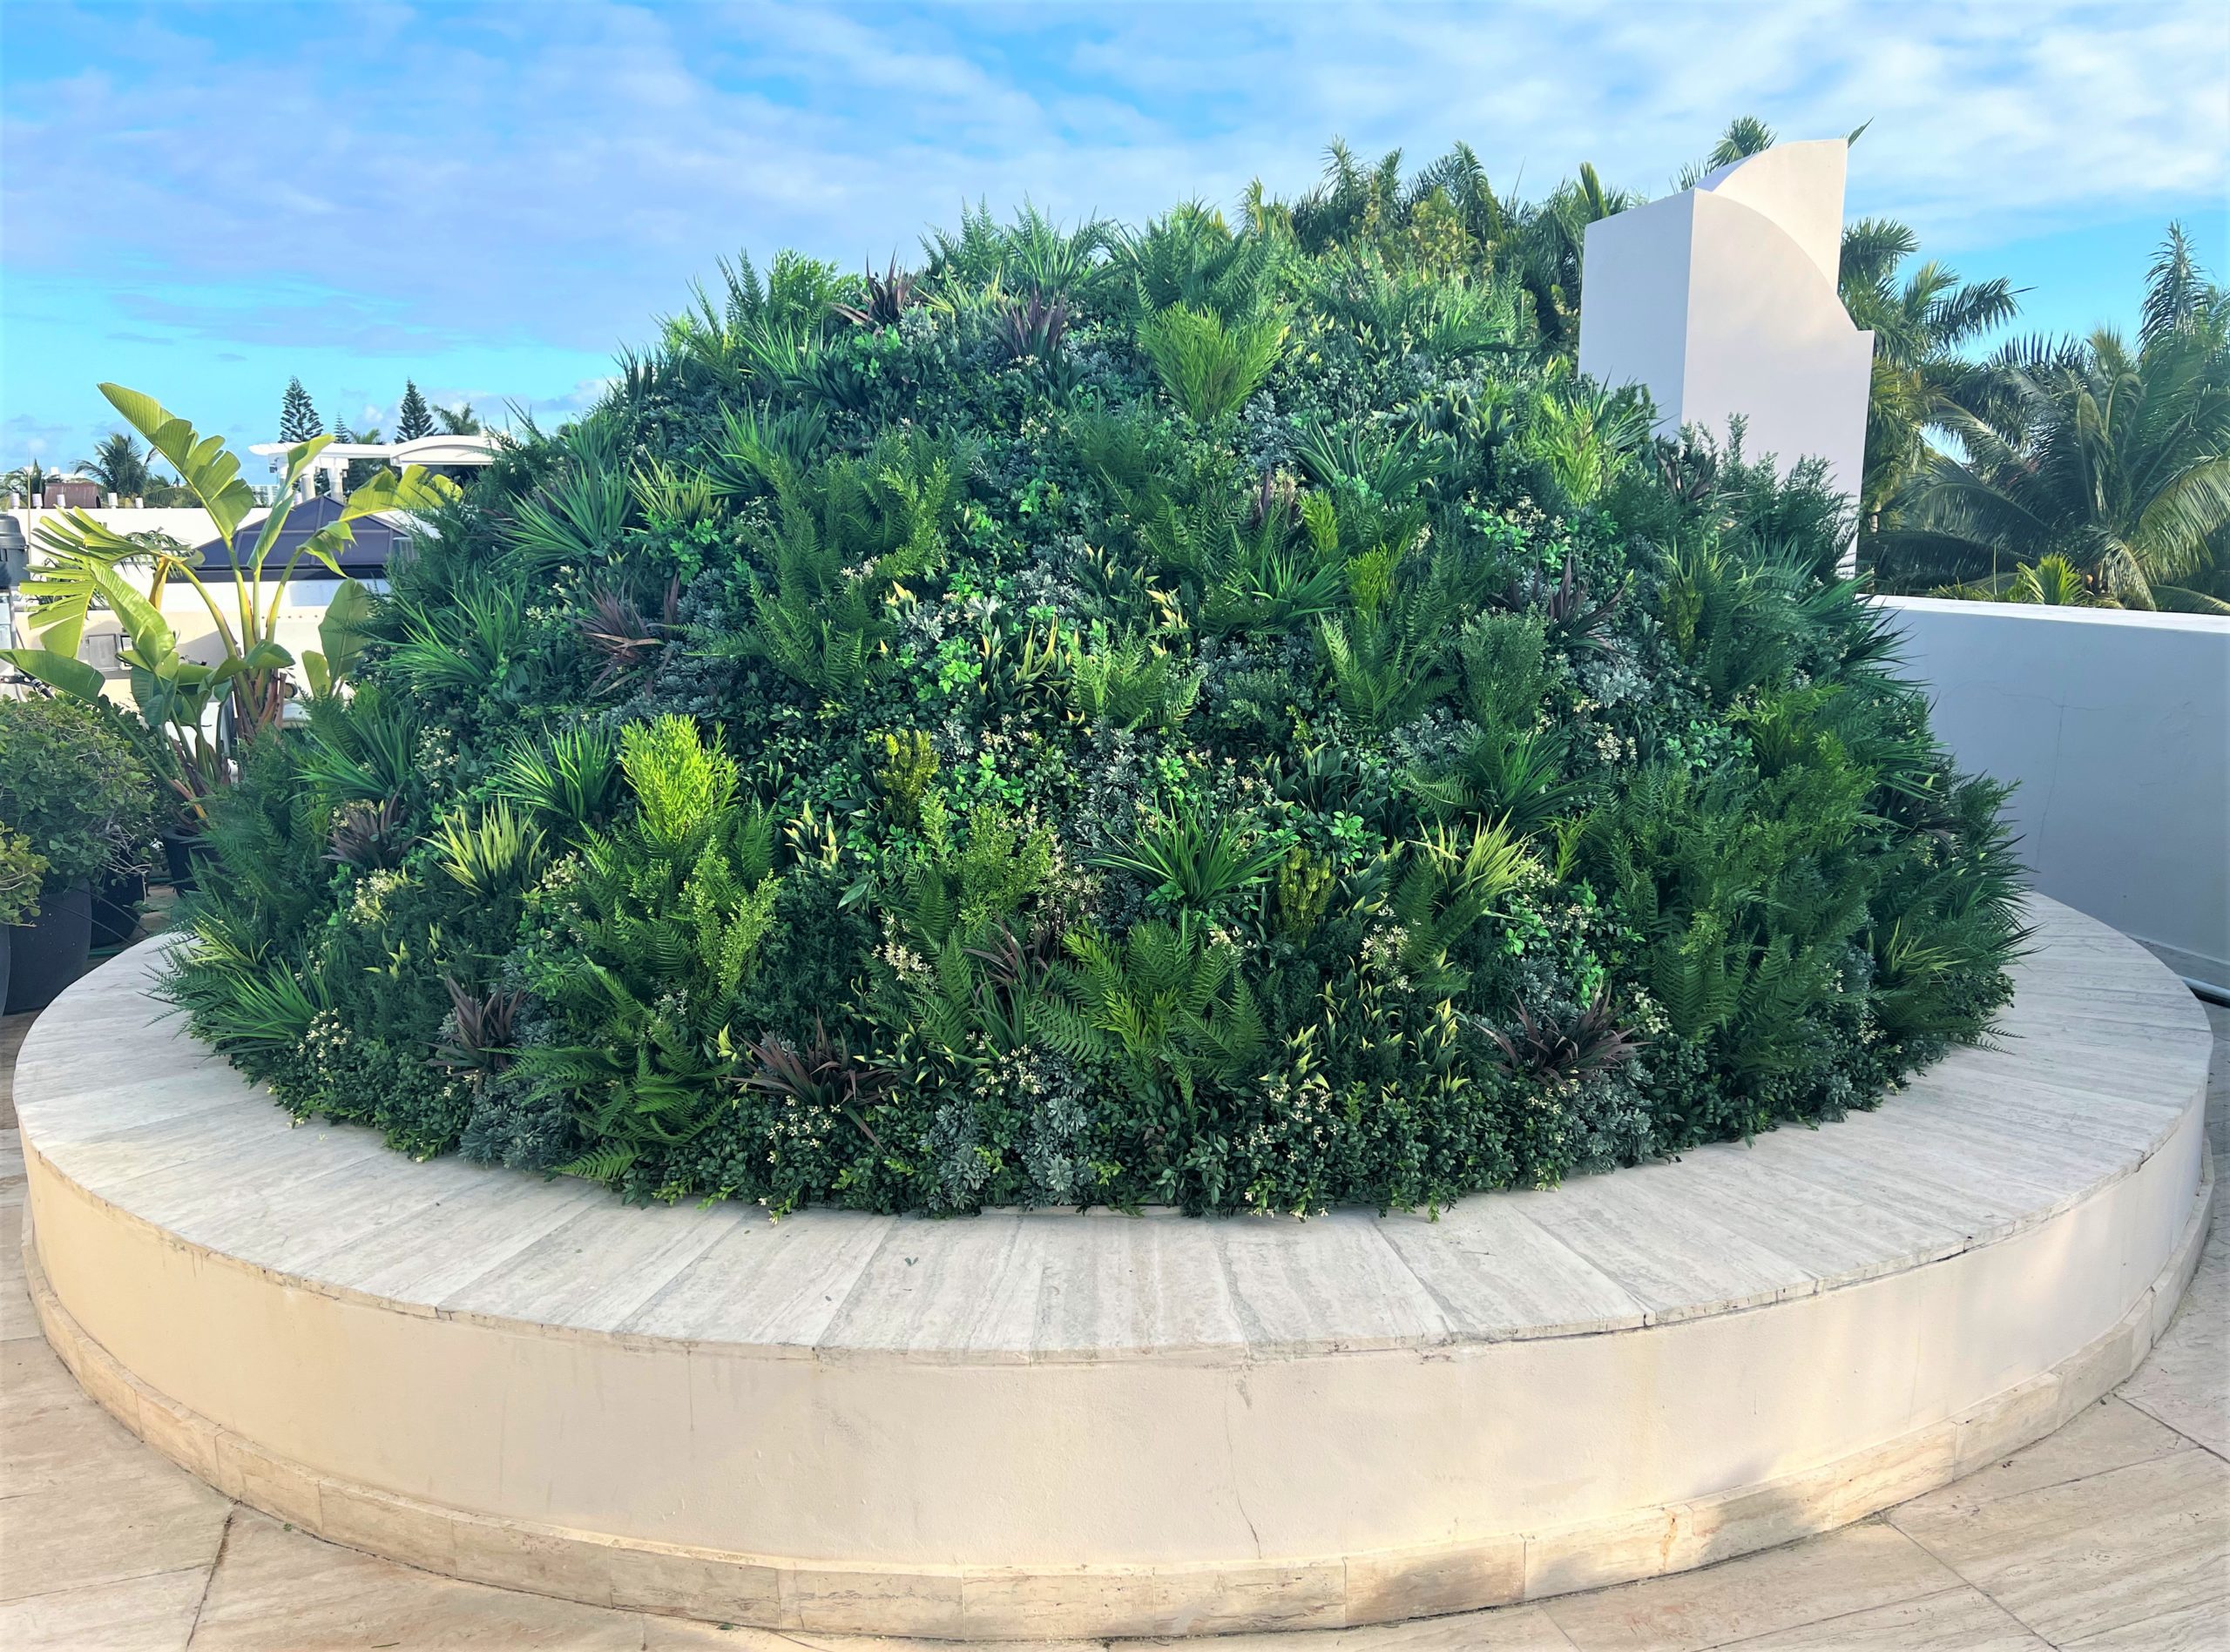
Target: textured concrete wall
(2117, 726)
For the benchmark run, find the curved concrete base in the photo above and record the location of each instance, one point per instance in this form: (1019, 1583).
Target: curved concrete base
(1039, 1426)
(1109, 1601)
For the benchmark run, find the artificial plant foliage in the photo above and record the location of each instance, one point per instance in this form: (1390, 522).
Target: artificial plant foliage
(1182, 716)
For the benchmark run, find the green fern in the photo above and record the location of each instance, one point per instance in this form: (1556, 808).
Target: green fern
(1209, 366)
(1132, 683)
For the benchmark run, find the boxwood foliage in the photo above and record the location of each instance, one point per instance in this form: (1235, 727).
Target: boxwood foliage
(1177, 717)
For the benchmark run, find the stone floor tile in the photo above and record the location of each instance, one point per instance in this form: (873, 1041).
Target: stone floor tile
(1510, 1629)
(682, 1634)
(1957, 1619)
(2101, 1552)
(17, 1319)
(1868, 1564)
(106, 1530)
(153, 1614)
(2105, 1434)
(2196, 1629)
(280, 1590)
(12, 1028)
(82, 1502)
(685, 1634)
(53, 1436)
(2186, 1383)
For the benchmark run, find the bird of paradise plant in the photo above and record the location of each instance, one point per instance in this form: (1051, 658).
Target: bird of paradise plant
(85, 562)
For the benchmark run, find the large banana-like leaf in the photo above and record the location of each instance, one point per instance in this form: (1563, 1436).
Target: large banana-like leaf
(342, 632)
(77, 547)
(143, 622)
(202, 461)
(63, 672)
(414, 488)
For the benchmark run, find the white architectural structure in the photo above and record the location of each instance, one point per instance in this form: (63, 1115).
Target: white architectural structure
(1721, 300)
(440, 452)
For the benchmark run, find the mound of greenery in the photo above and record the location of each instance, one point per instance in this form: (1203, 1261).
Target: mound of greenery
(1191, 716)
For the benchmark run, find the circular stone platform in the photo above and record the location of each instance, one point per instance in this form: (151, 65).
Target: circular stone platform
(1017, 1425)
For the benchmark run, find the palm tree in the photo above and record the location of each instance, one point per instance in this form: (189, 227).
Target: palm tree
(1920, 324)
(29, 479)
(2114, 457)
(119, 465)
(459, 420)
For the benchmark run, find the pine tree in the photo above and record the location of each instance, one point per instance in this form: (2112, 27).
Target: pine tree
(414, 419)
(298, 420)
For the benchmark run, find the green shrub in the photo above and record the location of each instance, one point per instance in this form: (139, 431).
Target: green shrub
(22, 870)
(1216, 717)
(72, 783)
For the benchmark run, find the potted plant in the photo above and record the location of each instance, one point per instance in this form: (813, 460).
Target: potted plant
(200, 708)
(21, 869)
(72, 786)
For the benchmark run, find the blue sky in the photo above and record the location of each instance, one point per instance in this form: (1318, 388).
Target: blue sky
(202, 200)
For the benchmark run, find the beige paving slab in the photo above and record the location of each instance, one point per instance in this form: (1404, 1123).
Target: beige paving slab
(1668, 1254)
(943, 1286)
(17, 1319)
(2186, 1382)
(2107, 1434)
(52, 1436)
(2101, 1552)
(681, 1635)
(151, 1614)
(435, 1252)
(1958, 1620)
(1515, 1629)
(12, 1028)
(105, 1529)
(1116, 1281)
(277, 1590)
(598, 1268)
(1344, 1284)
(776, 1283)
(2193, 1628)
(1860, 1567)
(1495, 1273)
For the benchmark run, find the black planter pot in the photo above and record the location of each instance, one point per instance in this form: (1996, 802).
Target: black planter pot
(50, 951)
(7, 959)
(116, 907)
(182, 852)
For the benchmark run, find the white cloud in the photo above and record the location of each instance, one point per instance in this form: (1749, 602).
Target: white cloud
(392, 179)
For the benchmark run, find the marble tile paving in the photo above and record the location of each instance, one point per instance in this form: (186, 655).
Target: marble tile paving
(2112, 1532)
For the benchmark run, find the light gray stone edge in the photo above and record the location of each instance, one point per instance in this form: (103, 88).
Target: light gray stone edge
(1019, 1603)
(2111, 966)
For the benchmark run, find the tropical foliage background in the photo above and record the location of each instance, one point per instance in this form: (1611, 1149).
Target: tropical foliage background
(2090, 471)
(1214, 714)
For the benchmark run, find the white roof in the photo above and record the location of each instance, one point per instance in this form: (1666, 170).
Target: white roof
(442, 449)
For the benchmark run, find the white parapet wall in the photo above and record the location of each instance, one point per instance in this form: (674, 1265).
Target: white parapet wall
(1721, 300)
(2117, 727)
(188, 524)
